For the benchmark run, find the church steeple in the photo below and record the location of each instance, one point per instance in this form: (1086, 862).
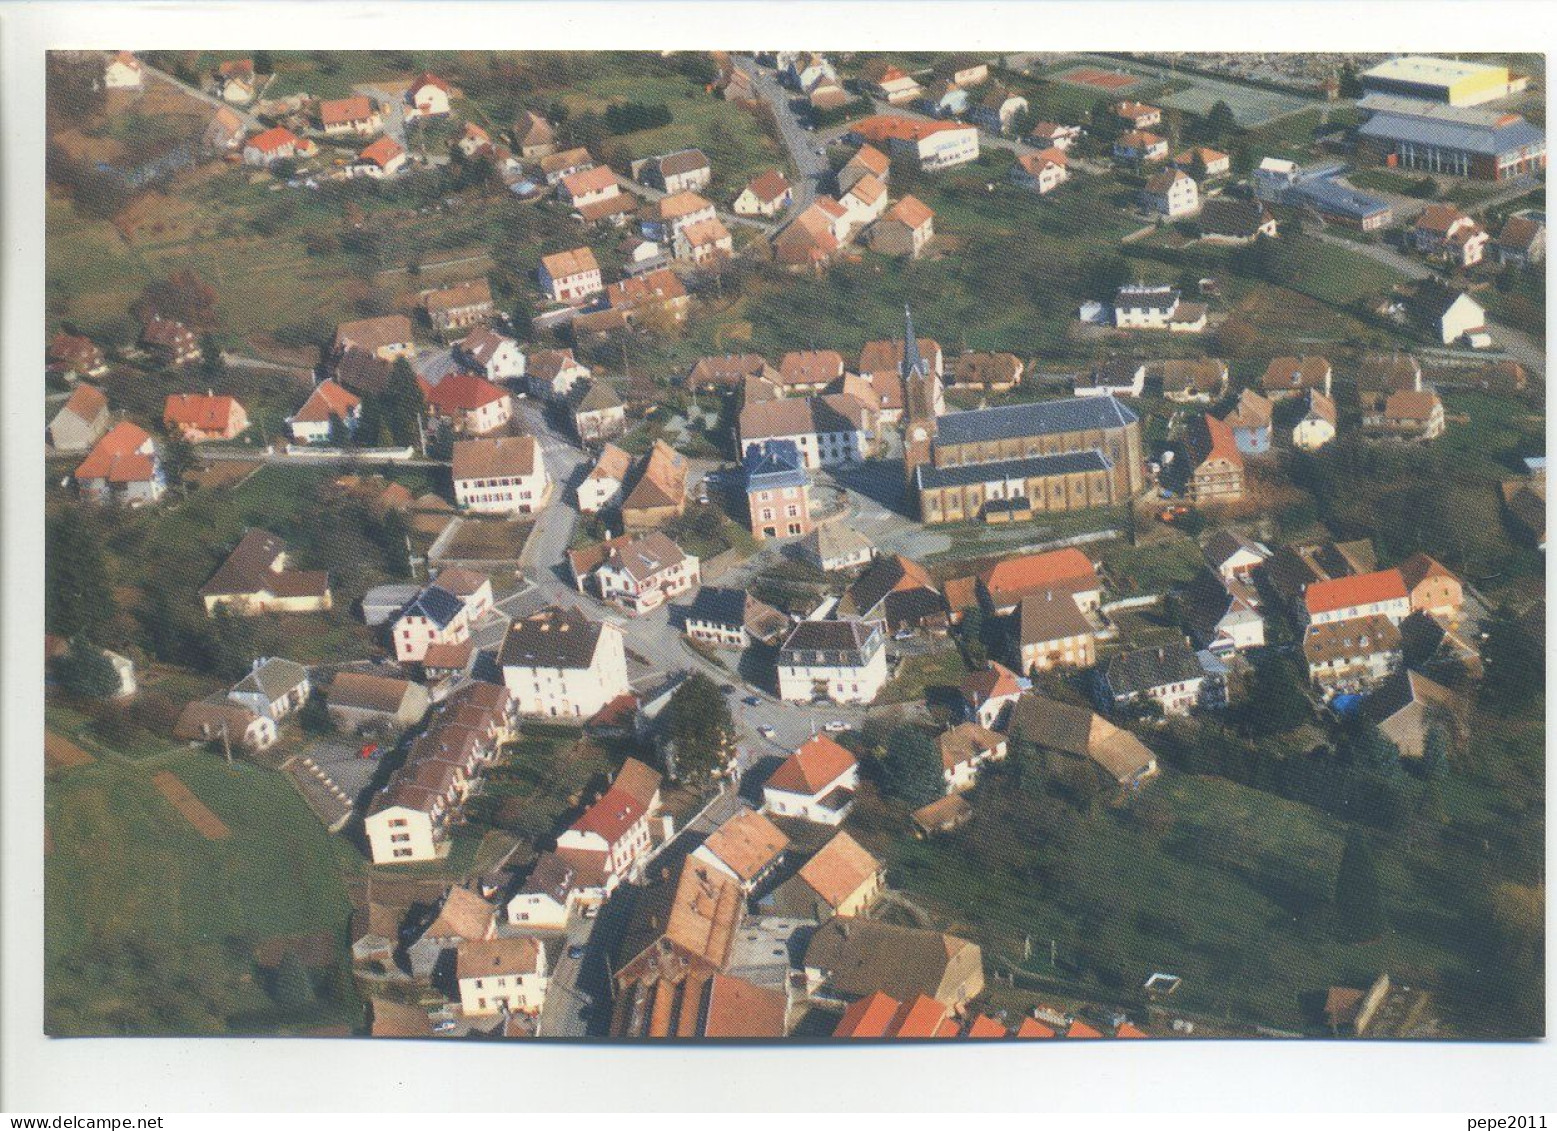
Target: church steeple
(912, 362)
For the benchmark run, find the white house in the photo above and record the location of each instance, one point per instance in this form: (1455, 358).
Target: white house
(1041, 172)
(1171, 193)
(965, 749)
(503, 475)
(427, 96)
(328, 404)
(816, 783)
(571, 276)
(841, 660)
(1317, 428)
(560, 664)
(505, 975)
(496, 355)
(123, 72)
(602, 487)
(614, 832)
(434, 616)
(639, 572)
(829, 431)
(1380, 593)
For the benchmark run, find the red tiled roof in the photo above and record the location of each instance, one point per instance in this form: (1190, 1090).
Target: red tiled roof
(117, 455)
(277, 137)
(199, 410)
(1347, 592)
(1081, 1029)
(809, 770)
(610, 817)
(328, 399)
(1033, 1030)
(338, 111)
(986, 1027)
(911, 212)
(1128, 1030)
(868, 1017)
(461, 392)
(769, 186)
(921, 1018)
(86, 402)
(381, 152)
(1016, 575)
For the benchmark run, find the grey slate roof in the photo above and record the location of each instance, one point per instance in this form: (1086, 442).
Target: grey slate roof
(436, 604)
(553, 637)
(273, 678)
(1039, 419)
(1488, 139)
(1027, 467)
(1145, 668)
(719, 606)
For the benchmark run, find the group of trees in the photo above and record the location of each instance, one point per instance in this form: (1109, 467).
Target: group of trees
(699, 732)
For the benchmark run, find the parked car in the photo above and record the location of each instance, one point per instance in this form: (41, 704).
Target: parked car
(575, 952)
(837, 725)
(751, 700)
(765, 731)
(445, 1026)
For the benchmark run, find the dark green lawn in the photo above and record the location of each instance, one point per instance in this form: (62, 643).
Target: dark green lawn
(151, 928)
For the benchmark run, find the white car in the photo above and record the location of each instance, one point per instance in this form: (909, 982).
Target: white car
(766, 731)
(837, 725)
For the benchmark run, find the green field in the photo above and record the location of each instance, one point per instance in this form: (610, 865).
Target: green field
(1223, 885)
(151, 928)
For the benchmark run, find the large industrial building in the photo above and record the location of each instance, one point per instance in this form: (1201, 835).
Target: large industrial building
(1450, 81)
(1410, 133)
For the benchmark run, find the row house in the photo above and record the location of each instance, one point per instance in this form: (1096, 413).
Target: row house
(732, 618)
(905, 230)
(1379, 593)
(571, 276)
(556, 166)
(1349, 655)
(358, 115)
(1170, 676)
(828, 431)
(459, 306)
(409, 820)
(1293, 376)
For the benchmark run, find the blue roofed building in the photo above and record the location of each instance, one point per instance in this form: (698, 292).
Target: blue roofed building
(434, 616)
(778, 490)
(1018, 461)
(1486, 145)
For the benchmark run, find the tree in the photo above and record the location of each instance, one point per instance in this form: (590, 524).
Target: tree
(402, 403)
(911, 767)
(182, 296)
(87, 671)
(263, 65)
(1350, 86)
(78, 599)
(1519, 937)
(1435, 754)
(1515, 662)
(293, 987)
(1275, 703)
(1373, 752)
(974, 628)
(213, 366)
(178, 457)
(1358, 904)
(315, 716)
(1220, 124)
(698, 728)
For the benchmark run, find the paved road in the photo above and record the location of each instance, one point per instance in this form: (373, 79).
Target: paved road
(811, 167)
(248, 119)
(655, 638)
(1515, 343)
